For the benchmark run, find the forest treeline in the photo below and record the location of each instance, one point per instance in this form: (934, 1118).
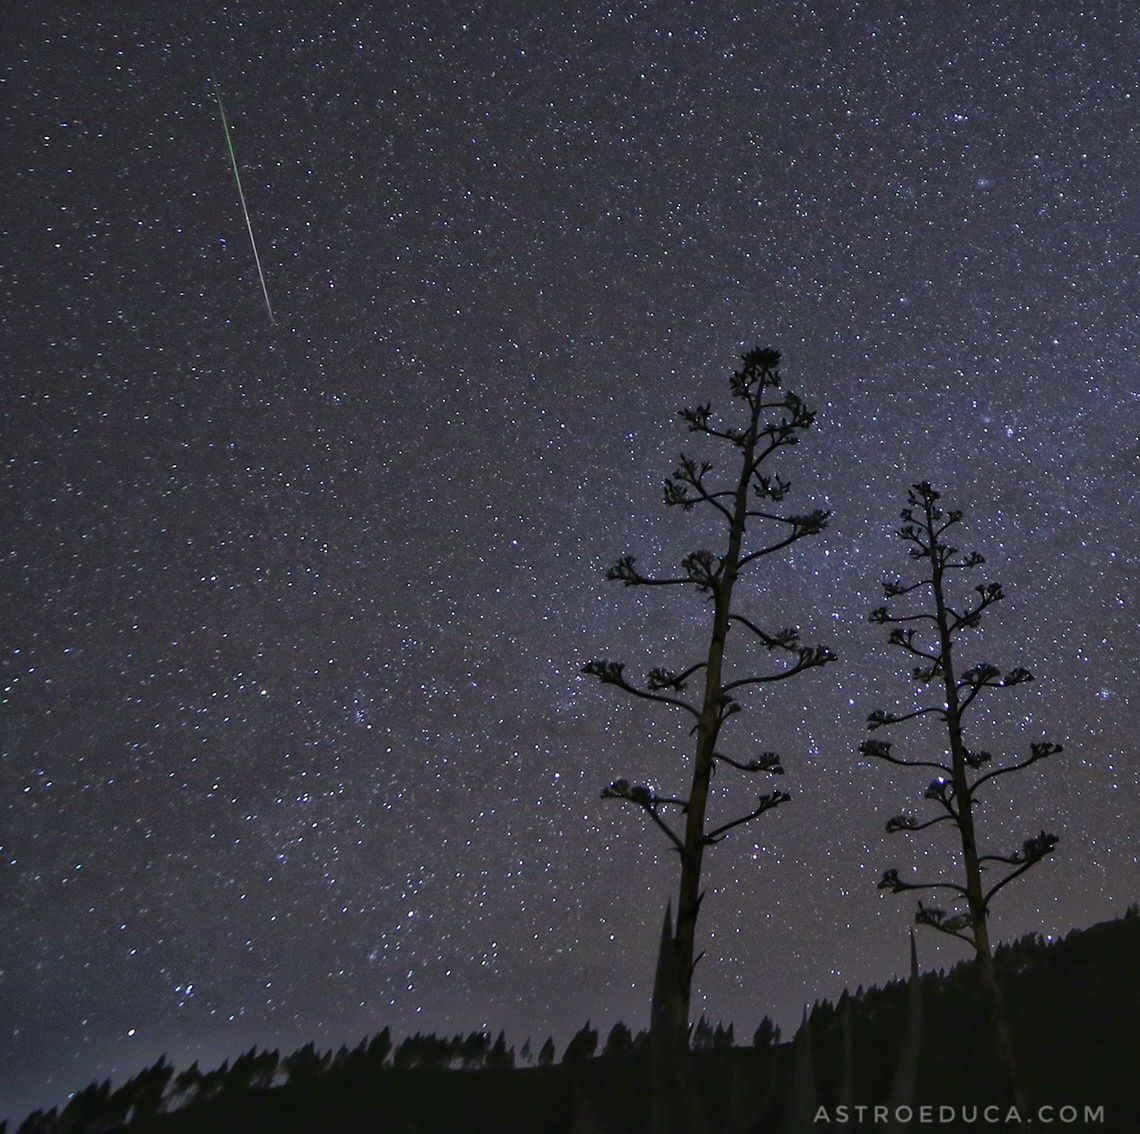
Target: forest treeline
(1073, 1004)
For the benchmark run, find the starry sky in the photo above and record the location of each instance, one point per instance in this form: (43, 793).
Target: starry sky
(295, 742)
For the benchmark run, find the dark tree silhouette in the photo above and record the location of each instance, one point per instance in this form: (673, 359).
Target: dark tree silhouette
(772, 421)
(93, 1108)
(619, 1041)
(186, 1083)
(251, 1071)
(930, 632)
(546, 1052)
(379, 1048)
(766, 1034)
(583, 1043)
(304, 1065)
(40, 1122)
(500, 1057)
(474, 1049)
(144, 1093)
(706, 1037)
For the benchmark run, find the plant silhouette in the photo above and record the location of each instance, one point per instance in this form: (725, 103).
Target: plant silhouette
(930, 629)
(772, 421)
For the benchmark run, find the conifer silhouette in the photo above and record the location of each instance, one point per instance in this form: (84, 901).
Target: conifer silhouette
(583, 1043)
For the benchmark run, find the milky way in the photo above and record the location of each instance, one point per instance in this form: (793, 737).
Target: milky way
(295, 739)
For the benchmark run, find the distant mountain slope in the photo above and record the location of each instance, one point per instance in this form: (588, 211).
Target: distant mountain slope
(1074, 1007)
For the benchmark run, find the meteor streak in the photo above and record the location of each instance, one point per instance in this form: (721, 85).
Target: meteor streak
(241, 197)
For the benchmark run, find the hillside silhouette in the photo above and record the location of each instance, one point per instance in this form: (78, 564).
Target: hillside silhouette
(1074, 1008)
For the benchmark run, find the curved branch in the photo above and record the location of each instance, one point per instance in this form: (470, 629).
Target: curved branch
(690, 473)
(793, 520)
(891, 881)
(811, 524)
(698, 422)
(779, 434)
(746, 559)
(879, 718)
(1009, 878)
(909, 823)
(642, 797)
(958, 925)
(625, 571)
(949, 932)
(973, 559)
(904, 639)
(677, 843)
(968, 700)
(767, 802)
(1040, 750)
(809, 657)
(765, 762)
(881, 750)
(893, 588)
(880, 615)
(610, 673)
(1032, 852)
(661, 678)
(786, 639)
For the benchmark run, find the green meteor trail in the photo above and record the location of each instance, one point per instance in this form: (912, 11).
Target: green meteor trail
(241, 197)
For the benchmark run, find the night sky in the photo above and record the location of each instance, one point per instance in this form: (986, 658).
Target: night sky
(295, 742)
